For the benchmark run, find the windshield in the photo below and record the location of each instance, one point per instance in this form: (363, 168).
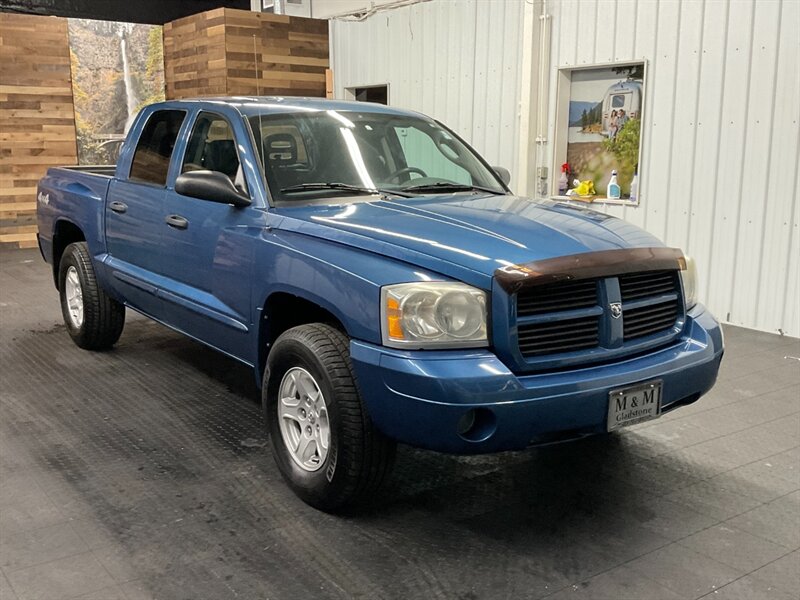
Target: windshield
(308, 156)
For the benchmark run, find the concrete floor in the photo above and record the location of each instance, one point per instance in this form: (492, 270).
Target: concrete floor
(144, 473)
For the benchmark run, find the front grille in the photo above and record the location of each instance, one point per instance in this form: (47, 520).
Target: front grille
(559, 336)
(647, 320)
(641, 285)
(652, 318)
(568, 295)
(570, 316)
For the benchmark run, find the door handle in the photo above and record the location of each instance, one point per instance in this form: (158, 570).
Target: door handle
(177, 221)
(118, 207)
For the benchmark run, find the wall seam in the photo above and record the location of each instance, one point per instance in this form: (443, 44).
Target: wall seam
(696, 126)
(769, 163)
(744, 151)
(711, 254)
(672, 125)
(792, 225)
(649, 103)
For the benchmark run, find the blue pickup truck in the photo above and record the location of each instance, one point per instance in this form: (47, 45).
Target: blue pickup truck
(380, 279)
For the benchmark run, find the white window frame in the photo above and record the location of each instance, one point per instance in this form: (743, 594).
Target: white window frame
(561, 135)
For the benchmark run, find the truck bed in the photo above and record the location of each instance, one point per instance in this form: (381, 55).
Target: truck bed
(76, 195)
(104, 170)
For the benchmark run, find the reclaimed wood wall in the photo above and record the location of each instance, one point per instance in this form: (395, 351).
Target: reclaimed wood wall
(236, 52)
(194, 55)
(37, 120)
(289, 57)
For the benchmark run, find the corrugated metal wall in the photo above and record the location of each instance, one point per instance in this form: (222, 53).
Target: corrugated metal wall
(721, 152)
(455, 61)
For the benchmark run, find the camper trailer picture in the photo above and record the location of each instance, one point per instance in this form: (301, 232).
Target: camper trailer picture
(622, 96)
(604, 124)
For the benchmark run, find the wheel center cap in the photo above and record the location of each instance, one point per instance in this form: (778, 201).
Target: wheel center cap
(311, 418)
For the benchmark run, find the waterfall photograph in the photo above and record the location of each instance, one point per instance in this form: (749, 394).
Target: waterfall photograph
(116, 69)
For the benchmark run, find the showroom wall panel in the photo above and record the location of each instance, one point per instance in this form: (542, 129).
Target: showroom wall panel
(233, 52)
(721, 149)
(37, 120)
(194, 55)
(291, 54)
(141, 11)
(456, 61)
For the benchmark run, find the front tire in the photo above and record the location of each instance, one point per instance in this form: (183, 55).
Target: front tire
(323, 441)
(93, 319)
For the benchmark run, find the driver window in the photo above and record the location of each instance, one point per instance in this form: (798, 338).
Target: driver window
(213, 147)
(435, 160)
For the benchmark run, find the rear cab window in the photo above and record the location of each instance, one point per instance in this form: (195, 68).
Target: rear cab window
(153, 153)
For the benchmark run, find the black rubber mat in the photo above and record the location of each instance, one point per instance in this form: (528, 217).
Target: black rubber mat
(151, 462)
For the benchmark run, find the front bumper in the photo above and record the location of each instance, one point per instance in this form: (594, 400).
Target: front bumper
(419, 397)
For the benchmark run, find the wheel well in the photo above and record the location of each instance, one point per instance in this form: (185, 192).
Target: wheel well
(281, 312)
(66, 233)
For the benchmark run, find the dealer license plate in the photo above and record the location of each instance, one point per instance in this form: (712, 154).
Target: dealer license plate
(634, 404)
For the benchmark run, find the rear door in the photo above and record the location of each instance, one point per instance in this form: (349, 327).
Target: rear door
(134, 212)
(208, 247)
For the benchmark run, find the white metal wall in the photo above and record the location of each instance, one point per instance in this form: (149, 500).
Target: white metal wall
(721, 149)
(719, 171)
(455, 61)
(325, 9)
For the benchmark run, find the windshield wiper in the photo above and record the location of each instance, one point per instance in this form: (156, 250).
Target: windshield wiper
(442, 186)
(334, 185)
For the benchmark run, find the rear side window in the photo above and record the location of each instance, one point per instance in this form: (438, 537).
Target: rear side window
(154, 150)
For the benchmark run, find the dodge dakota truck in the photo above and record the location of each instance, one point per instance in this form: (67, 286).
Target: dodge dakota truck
(380, 279)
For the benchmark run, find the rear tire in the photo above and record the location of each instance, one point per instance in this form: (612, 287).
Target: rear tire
(93, 319)
(356, 459)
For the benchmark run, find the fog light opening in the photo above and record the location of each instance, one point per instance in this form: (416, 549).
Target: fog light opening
(477, 425)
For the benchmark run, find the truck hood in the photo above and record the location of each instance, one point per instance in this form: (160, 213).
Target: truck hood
(478, 232)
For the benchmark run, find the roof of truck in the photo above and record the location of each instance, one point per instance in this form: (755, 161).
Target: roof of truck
(251, 105)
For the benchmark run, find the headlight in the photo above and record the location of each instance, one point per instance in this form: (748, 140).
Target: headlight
(689, 278)
(433, 314)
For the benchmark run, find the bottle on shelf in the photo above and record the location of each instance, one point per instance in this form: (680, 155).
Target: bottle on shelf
(563, 181)
(613, 189)
(634, 187)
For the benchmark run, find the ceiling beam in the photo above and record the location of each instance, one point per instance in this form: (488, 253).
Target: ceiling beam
(156, 12)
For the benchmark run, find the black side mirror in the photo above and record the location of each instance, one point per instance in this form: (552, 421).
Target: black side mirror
(212, 186)
(503, 174)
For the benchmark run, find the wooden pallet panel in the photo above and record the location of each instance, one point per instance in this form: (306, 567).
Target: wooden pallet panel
(235, 52)
(194, 55)
(37, 117)
(275, 54)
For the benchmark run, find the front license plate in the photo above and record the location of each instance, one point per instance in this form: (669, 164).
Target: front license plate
(634, 404)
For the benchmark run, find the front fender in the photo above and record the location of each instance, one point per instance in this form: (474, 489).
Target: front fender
(343, 280)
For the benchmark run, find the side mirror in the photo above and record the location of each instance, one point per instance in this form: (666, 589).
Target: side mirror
(212, 186)
(503, 174)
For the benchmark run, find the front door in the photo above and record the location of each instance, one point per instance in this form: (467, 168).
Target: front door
(134, 209)
(208, 246)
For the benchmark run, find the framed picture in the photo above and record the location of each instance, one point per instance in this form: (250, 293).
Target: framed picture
(599, 130)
